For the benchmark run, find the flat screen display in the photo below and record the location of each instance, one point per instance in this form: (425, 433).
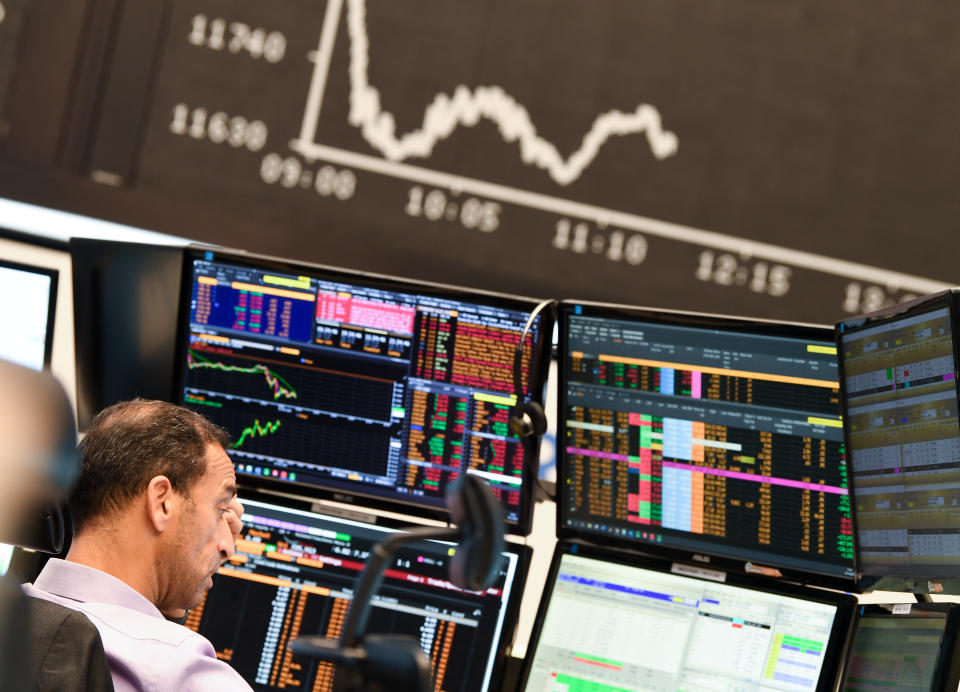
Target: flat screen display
(901, 652)
(607, 624)
(27, 314)
(6, 555)
(903, 430)
(294, 573)
(719, 439)
(377, 391)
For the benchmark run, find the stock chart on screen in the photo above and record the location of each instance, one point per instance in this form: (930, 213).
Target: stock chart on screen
(294, 573)
(718, 437)
(375, 388)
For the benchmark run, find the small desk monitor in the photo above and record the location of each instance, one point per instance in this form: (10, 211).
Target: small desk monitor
(373, 390)
(294, 573)
(6, 555)
(899, 386)
(611, 621)
(908, 647)
(712, 439)
(27, 313)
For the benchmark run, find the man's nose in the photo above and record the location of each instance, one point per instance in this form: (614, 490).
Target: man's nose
(225, 542)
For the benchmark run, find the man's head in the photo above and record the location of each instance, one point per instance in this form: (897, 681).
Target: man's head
(157, 475)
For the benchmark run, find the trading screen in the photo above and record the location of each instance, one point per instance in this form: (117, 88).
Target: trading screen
(611, 626)
(719, 439)
(904, 435)
(360, 386)
(895, 652)
(26, 314)
(294, 573)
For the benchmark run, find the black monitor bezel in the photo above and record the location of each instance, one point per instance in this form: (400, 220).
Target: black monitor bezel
(54, 275)
(536, 387)
(511, 618)
(895, 581)
(839, 636)
(714, 559)
(946, 674)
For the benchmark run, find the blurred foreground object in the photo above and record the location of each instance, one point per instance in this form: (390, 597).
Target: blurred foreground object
(38, 456)
(43, 646)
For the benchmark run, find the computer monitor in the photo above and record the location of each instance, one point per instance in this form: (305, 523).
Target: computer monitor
(6, 555)
(904, 647)
(612, 621)
(27, 313)
(899, 387)
(712, 439)
(369, 389)
(294, 573)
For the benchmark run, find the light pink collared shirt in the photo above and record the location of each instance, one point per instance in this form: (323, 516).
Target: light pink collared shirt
(145, 651)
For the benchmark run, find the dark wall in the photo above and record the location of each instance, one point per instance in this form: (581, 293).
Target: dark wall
(789, 159)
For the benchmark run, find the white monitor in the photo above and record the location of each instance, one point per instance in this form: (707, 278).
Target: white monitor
(6, 554)
(608, 624)
(26, 336)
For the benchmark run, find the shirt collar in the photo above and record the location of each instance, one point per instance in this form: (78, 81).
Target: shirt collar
(88, 585)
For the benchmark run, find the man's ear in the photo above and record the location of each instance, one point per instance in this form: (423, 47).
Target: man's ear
(160, 502)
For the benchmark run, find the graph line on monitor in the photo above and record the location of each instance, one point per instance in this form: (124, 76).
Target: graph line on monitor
(280, 387)
(257, 430)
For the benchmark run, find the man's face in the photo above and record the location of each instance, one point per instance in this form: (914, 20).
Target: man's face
(201, 539)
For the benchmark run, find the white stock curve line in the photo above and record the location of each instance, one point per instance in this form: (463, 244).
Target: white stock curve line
(378, 128)
(465, 108)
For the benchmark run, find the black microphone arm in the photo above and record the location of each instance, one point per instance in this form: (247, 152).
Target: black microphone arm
(372, 576)
(375, 662)
(393, 662)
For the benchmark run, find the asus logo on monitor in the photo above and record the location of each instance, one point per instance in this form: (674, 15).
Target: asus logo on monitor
(701, 558)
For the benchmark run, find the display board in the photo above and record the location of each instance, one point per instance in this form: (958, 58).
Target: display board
(792, 158)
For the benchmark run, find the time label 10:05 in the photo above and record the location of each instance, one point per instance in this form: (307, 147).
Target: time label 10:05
(437, 205)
